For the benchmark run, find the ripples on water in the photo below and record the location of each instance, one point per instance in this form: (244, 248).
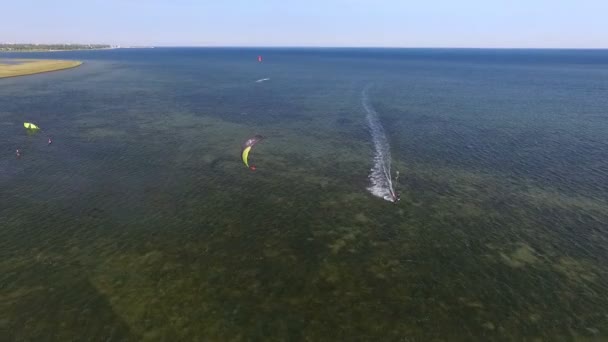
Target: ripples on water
(140, 221)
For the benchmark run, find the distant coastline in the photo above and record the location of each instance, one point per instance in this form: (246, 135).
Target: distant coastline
(24, 67)
(53, 47)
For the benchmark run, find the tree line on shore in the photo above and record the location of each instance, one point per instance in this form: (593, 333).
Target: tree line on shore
(49, 47)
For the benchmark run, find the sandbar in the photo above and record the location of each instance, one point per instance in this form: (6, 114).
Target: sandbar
(22, 67)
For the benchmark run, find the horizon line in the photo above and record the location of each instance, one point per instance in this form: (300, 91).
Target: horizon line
(316, 46)
(368, 47)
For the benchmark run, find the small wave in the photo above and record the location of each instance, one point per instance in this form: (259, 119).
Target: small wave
(262, 80)
(380, 173)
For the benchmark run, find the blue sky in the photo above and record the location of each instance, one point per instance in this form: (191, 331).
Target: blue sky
(391, 23)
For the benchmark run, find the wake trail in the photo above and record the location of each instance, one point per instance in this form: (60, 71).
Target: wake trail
(380, 174)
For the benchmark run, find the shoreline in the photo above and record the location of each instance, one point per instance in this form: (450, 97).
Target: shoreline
(35, 66)
(26, 51)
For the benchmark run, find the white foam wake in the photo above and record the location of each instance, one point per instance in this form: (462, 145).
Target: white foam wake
(380, 175)
(262, 80)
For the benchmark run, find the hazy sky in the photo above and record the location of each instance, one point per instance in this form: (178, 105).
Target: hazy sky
(398, 23)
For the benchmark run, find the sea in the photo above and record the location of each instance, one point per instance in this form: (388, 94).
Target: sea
(398, 195)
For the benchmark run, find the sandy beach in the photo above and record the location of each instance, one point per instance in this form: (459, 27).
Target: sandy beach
(22, 67)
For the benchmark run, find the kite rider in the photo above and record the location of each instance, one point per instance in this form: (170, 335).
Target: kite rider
(396, 194)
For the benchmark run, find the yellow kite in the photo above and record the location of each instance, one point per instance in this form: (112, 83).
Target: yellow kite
(31, 126)
(247, 146)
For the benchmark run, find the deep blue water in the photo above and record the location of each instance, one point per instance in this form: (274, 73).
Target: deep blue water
(141, 222)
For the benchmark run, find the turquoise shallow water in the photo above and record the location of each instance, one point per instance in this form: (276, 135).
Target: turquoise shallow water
(140, 222)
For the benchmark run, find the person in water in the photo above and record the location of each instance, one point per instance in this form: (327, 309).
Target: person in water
(50, 141)
(395, 197)
(18, 153)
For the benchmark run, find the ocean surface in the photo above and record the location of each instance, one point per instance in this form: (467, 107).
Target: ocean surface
(140, 222)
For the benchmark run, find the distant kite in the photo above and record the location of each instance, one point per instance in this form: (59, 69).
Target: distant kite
(30, 126)
(247, 146)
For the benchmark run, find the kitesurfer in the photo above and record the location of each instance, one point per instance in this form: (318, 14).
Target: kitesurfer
(247, 146)
(396, 194)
